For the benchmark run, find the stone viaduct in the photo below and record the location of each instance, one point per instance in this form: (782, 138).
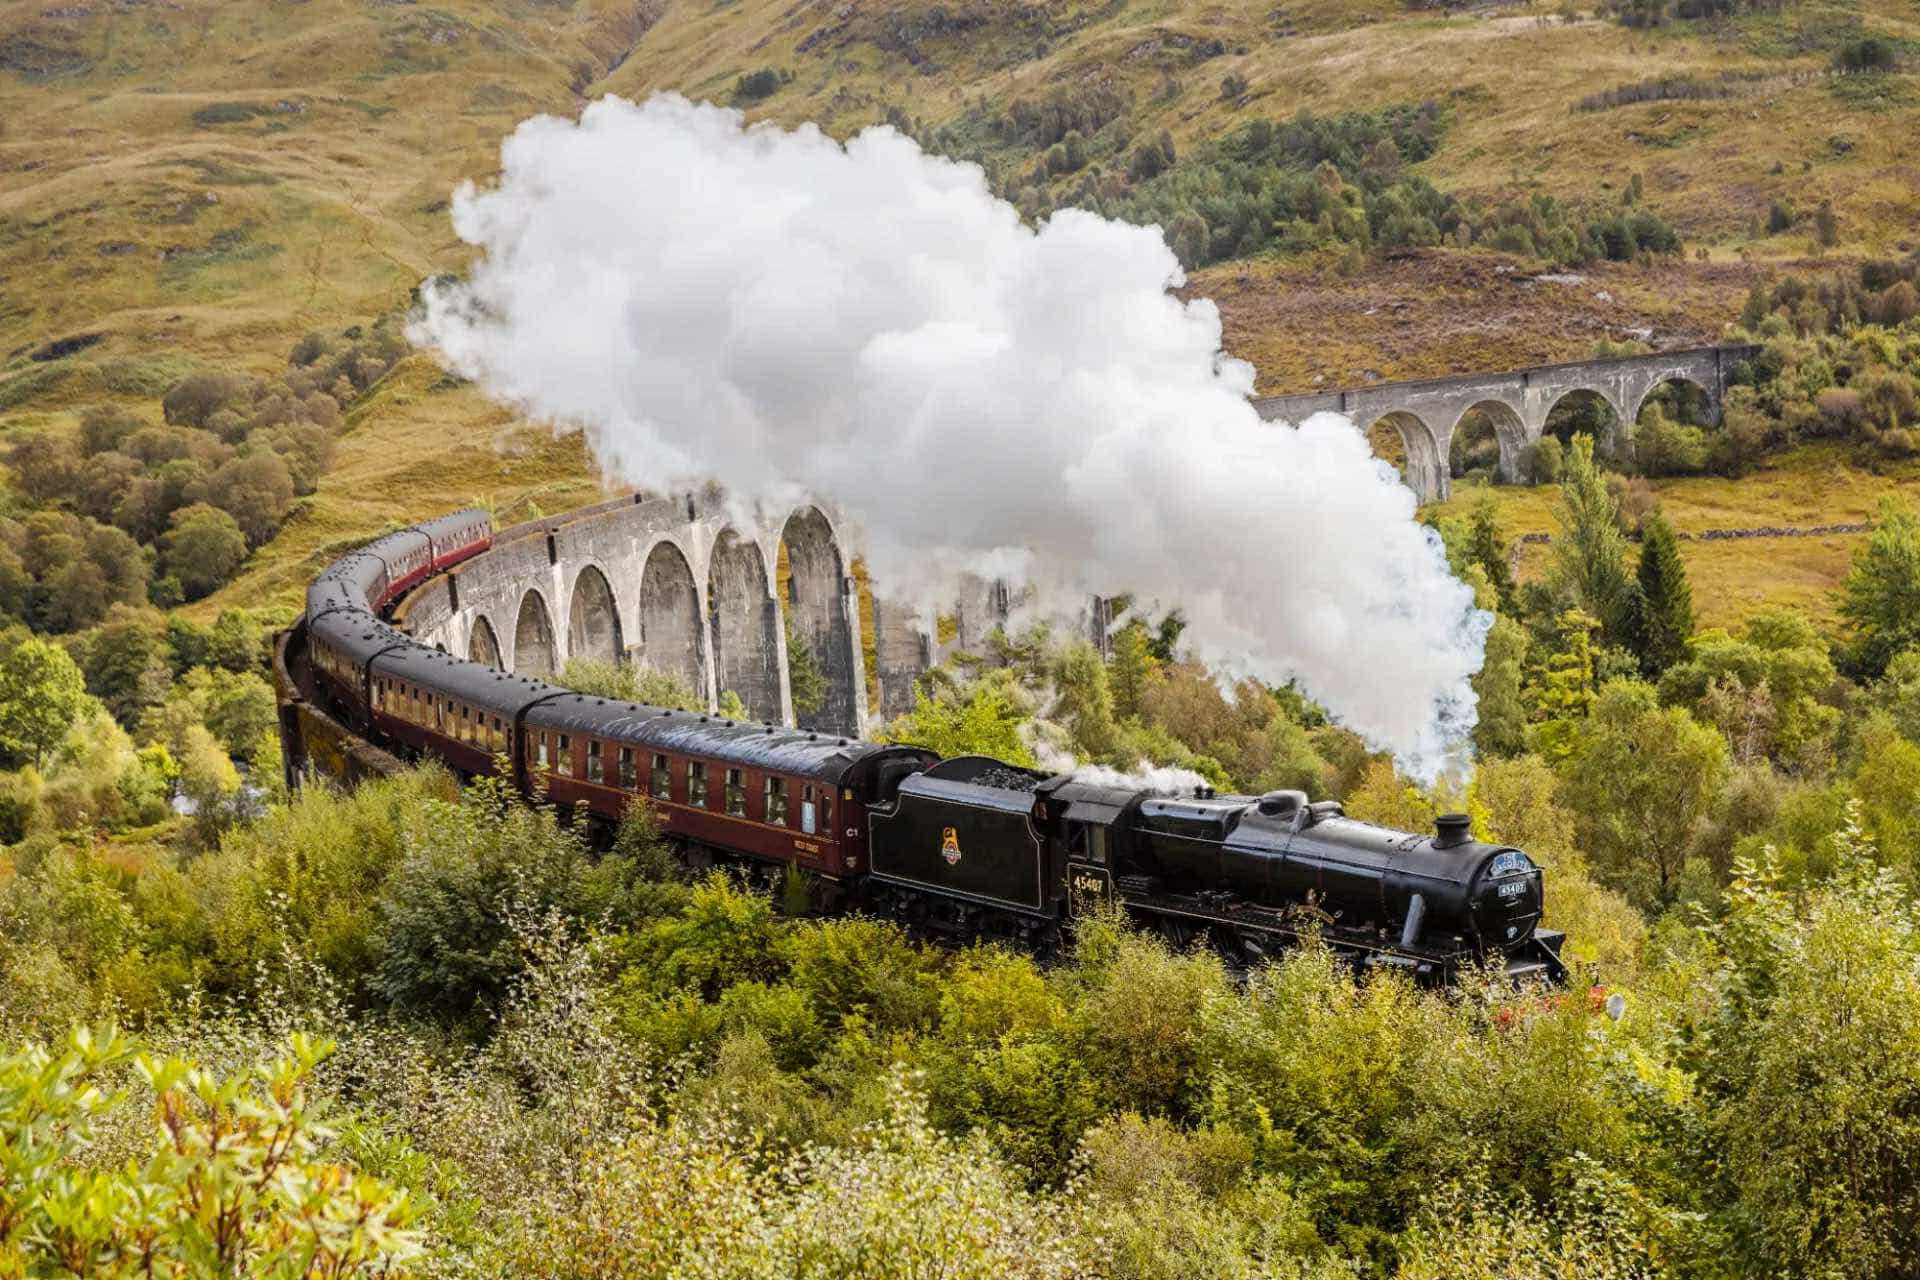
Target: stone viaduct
(681, 583)
(1426, 414)
(677, 583)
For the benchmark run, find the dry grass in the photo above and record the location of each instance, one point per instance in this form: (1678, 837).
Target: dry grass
(1809, 487)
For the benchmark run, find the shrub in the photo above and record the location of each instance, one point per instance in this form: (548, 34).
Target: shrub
(1138, 1013)
(1813, 1061)
(1663, 447)
(1865, 55)
(899, 1200)
(626, 682)
(724, 937)
(755, 85)
(45, 468)
(1544, 460)
(446, 942)
(196, 398)
(859, 967)
(103, 427)
(230, 1178)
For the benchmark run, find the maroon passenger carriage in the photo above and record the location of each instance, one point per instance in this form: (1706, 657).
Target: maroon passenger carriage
(754, 790)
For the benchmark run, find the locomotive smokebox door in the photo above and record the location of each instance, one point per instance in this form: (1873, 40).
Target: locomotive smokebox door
(963, 827)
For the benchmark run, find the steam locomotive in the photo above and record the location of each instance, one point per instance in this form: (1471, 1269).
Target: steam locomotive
(961, 848)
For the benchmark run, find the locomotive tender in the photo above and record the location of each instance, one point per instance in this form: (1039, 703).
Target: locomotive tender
(962, 848)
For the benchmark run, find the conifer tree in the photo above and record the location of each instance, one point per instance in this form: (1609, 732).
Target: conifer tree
(1485, 548)
(1501, 728)
(1565, 695)
(804, 679)
(1663, 607)
(1589, 552)
(1130, 668)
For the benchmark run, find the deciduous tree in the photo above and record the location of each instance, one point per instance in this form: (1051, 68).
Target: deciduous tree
(1641, 778)
(203, 548)
(41, 694)
(1880, 598)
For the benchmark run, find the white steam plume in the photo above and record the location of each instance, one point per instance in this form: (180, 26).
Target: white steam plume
(870, 325)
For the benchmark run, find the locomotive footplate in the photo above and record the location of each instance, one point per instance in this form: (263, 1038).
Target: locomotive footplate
(1247, 934)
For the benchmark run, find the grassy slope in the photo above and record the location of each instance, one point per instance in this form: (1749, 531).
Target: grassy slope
(220, 239)
(1810, 487)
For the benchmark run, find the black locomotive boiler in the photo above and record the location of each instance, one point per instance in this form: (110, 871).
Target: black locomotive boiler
(969, 843)
(962, 848)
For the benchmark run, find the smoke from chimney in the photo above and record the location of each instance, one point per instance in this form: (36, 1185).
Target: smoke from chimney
(868, 324)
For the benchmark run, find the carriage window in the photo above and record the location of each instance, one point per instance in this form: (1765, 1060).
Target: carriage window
(563, 756)
(594, 771)
(807, 809)
(626, 769)
(498, 740)
(466, 726)
(697, 783)
(776, 801)
(543, 749)
(826, 810)
(736, 794)
(662, 779)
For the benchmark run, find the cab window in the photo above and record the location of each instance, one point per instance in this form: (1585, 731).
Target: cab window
(1087, 843)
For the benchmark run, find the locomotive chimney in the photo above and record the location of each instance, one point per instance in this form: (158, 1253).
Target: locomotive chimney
(1453, 829)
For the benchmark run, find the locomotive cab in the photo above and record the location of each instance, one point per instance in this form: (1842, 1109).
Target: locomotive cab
(1090, 825)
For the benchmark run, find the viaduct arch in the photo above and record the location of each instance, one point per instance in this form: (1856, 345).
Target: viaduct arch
(1427, 413)
(686, 585)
